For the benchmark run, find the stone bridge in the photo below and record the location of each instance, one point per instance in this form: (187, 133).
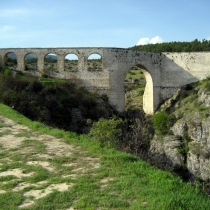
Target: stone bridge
(165, 73)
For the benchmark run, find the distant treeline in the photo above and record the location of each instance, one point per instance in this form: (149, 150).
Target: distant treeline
(194, 46)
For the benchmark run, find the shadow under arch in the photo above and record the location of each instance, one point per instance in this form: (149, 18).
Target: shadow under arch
(148, 95)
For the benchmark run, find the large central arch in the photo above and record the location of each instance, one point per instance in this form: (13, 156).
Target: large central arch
(148, 100)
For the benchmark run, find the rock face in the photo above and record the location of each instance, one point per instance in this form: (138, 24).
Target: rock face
(204, 97)
(189, 143)
(164, 151)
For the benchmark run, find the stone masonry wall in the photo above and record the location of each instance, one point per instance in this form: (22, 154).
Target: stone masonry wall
(165, 73)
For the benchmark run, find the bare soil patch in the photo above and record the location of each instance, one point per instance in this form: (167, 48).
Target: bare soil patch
(29, 160)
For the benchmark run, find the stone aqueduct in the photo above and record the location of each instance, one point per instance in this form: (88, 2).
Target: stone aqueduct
(165, 73)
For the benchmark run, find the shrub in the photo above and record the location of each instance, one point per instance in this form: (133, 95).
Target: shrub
(7, 72)
(141, 92)
(136, 134)
(105, 97)
(44, 76)
(160, 122)
(132, 73)
(106, 130)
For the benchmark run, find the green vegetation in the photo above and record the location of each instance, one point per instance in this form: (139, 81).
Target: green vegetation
(106, 131)
(191, 107)
(52, 101)
(162, 122)
(130, 183)
(189, 102)
(94, 64)
(183, 149)
(134, 87)
(71, 65)
(10, 200)
(193, 46)
(10, 61)
(31, 63)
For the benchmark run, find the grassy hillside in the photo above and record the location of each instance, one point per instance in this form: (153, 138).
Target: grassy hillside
(120, 181)
(189, 100)
(55, 102)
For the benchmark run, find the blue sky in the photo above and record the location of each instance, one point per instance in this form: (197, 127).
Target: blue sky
(101, 23)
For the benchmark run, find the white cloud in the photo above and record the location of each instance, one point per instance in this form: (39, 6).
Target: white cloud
(154, 40)
(143, 41)
(208, 38)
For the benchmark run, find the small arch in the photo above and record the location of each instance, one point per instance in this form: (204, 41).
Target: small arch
(50, 63)
(94, 62)
(139, 85)
(31, 61)
(10, 60)
(71, 62)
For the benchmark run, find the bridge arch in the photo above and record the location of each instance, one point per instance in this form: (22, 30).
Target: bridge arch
(94, 62)
(30, 61)
(71, 62)
(148, 96)
(11, 60)
(50, 62)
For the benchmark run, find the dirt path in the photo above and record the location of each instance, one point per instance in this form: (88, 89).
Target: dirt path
(29, 160)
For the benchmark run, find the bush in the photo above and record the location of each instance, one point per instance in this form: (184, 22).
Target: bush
(7, 72)
(44, 76)
(105, 97)
(106, 131)
(160, 122)
(137, 132)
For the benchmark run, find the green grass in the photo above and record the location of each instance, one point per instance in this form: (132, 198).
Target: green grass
(135, 74)
(132, 183)
(51, 81)
(189, 103)
(23, 133)
(10, 201)
(6, 178)
(37, 145)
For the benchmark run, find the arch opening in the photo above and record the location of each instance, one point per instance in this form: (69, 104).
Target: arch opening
(139, 89)
(31, 62)
(71, 62)
(95, 62)
(10, 60)
(50, 63)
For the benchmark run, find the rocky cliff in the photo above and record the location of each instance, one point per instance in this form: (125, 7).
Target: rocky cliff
(186, 146)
